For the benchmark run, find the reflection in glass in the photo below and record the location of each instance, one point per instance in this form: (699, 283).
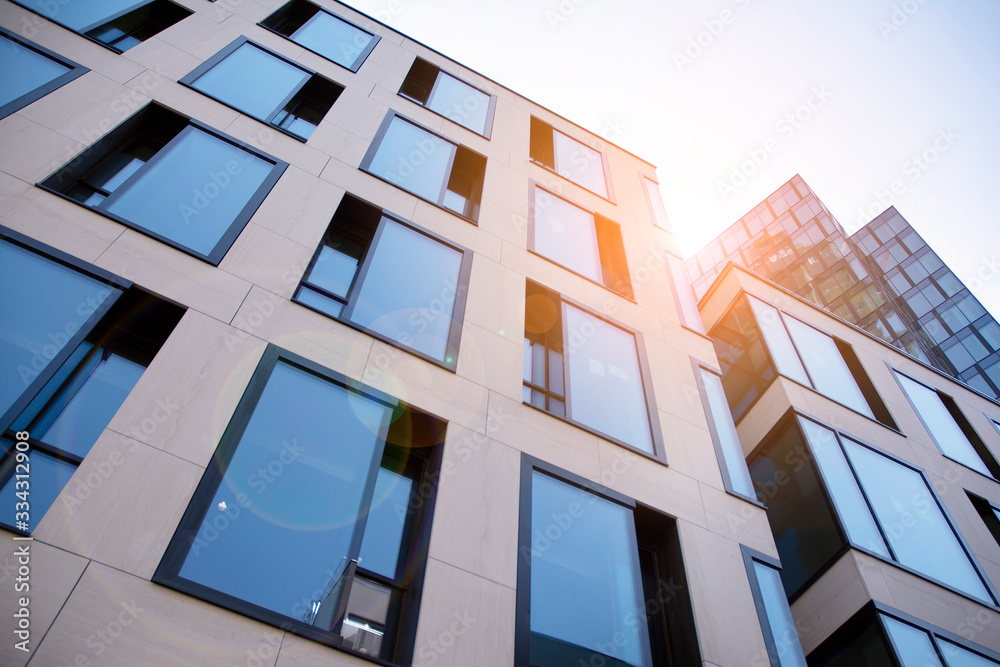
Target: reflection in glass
(42, 305)
(779, 616)
(193, 193)
(956, 656)
(79, 15)
(291, 494)
(48, 476)
(729, 441)
(460, 102)
(942, 426)
(333, 38)
(409, 289)
(585, 587)
(778, 343)
(827, 368)
(918, 531)
(380, 548)
(580, 164)
(566, 234)
(24, 70)
(252, 80)
(413, 159)
(604, 382)
(855, 516)
(913, 646)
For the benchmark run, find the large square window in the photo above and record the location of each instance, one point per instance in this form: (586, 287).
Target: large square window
(118, 24)
(30, 72)
(391, 279)
(173, 179)
(584, 369)
(433, 168)
(599, 580)
(569, 158)
(76, 342)
(948, 427)
(262, 84)
(449, 96)
(584, 242)
(322, 32)
(318, 491)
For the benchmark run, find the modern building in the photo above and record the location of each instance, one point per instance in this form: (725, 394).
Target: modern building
(883, 278)
(321, 348)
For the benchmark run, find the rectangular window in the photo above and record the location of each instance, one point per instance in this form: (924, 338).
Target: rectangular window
(118, 24)
(322, 32)
(687, 305)
(569, 158)
(947, 426)
(449, 96)
(76, 344)
(585, 243)
(733, 464)
(173, 179)
(327, 530)
(586, 370)
(30, 72)
(592, 576)
(391, 279)
(776, 623)
(431, 167)
(266, 86)
(655, 201)
(877, 503)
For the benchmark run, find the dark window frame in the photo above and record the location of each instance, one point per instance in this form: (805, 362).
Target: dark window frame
(404, 631)
(713, 430)
(84, 32)
(963, 423)
(76, 70)
(292, 5)
(611, 248)
(116, 140)
(475, 202)
(544, 157)
(461, 288)
(652, 413)
(189, 80)
(674, 616)
(749, 556)
(490, 112)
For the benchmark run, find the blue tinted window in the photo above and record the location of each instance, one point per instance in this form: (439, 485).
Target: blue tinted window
(252, 80)
(291, 494)
(24, 70)
(567, 235)
(333, 38)
(460, 102)
(413, 159)
(585, 587)
(194, 190)
(778, 343)
(913, 646)
(779, 617)
(409, 289)
(729, 442)
(78, 14)
(380, 548)
(48, 476)
(42, 306)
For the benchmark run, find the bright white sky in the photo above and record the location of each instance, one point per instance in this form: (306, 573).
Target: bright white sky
(889, 80)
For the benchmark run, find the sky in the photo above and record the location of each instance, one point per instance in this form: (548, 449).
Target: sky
(873, 102)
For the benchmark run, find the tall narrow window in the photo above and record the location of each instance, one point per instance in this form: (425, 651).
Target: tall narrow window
(583, 242)
(655, 201)
(942, 419)
(735, 474)
(776, 623)
(568, 157)
(118, 24)
(315, 483)
(173, 179)
(449, 96)
(322, 32)
(264, 85)
(431, 167)
(391, 279)
(584, 369)
(591, 578)
(60, 388)
(30, 72)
